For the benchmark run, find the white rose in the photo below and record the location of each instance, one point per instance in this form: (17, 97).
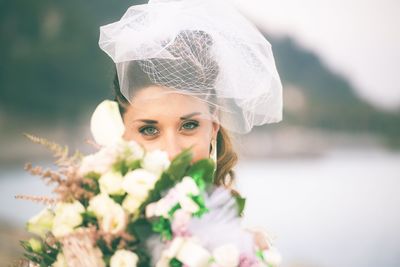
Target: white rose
(60, 262)
(174, 247)
(193, 255)
(136, 151)
(101, 204)
(186, 250)
(188, 205)
(114, 221)
(124, 258)
(156, 161)
(272, 257)
(163, 207)
(106, 123)
(188, 186)
(99, 162)
(111, 183)
(226, 256)
(138, 183)
(41, 223)
(67, 217)
(151, 210)
(131, 203)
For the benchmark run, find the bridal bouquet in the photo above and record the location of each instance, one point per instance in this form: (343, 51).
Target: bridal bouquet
(124, 206)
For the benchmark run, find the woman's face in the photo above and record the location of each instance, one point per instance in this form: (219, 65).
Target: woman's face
(170, 122)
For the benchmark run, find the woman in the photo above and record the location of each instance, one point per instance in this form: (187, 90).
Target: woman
(189, 73)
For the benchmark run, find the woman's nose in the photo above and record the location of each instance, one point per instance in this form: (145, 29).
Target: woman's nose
(172, 145)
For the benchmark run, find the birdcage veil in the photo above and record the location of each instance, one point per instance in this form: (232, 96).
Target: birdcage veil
(202, 48)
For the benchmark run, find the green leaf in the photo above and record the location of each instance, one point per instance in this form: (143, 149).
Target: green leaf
(46, 257)
(163, 226)
(120, 166)
(202, 172)
(118, 198)
(133, 165)
(260, 255)
(93, 175)
(241, 202)
(202, 206)
(94, 188)
(141, 229)
(165, 182)
(89, 218)
(180, 164)
(174, 262)
(174, 208)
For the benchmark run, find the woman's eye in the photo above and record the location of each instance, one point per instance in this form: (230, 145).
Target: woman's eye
(148, 130)
(190, 125)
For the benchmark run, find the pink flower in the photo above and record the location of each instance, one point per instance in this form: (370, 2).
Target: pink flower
(247, 260)
(180, 223)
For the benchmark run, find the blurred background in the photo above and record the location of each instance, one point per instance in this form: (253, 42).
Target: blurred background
(325, 181)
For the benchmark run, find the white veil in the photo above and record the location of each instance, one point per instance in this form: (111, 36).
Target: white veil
(203, 48)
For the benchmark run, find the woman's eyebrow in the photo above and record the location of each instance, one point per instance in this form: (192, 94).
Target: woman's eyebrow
(190, 115)
(148, 121)
(182, 118)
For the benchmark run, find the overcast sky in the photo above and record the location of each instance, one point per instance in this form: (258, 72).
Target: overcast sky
(357, 38)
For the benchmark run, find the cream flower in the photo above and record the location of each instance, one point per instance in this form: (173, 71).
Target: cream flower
(124, 258)
(226, 255)
(138, 183)
(151, 210)
(188, 205)
(131, 204)
(67, 217)
(99, 162)
(35, 245)
(135, 150)
(186, 250)
(111, 183)
(101, 204)
(60, 262)
(41, 223)
(112, 217)
(156, 161)
(106, 123)
(188, 186)
(193, 255)
(114, 221)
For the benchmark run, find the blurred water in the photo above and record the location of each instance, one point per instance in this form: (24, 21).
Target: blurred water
(339, 210)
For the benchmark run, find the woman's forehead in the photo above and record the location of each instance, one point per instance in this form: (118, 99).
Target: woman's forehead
(158, 101)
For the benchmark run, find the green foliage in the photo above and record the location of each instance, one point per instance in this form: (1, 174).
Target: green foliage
(124, 167)
(93, 186)
(180, 164)
(241, 203)
(170, 177)
(93, 175)
(89, 218)
(162, 226)
(141, 229)
(202, 172)
(199, 200)
(118, 198)
(46, 257)
(174, 208)
(174, 262)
